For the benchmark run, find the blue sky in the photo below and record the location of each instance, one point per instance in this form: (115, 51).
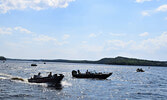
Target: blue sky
(83, 29)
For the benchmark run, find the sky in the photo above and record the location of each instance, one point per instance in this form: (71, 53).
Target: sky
(83, 29)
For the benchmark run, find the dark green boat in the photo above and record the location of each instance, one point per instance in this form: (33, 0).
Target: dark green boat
(90, 75)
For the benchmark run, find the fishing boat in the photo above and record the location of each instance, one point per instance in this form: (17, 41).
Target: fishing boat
(33, 64)
(90, 75)
(49, 79)
(139, 70)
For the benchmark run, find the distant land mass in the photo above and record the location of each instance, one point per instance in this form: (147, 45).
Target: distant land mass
(2, 58)
(110, 61)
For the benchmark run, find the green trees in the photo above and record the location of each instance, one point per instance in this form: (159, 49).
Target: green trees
(2, 58)
(130, 61)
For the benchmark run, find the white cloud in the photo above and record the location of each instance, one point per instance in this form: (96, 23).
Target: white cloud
(144, 34)
(145, 13)
(8, 30)
(5, 31)
(148, 46)
(92, 35)
(84, 42)
(165, 18)
(158, 42)
(92, 48)
(22, 30)
(141, 1)
(152, 44)
(162, 8)
(38, 38)
(6, 5)
(61, 43)
(118, 43)
(66, 36)
(44, 38)
(117, 34)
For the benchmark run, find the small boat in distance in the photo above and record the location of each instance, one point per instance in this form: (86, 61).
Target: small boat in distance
(55, 79)
(90, 75)
(139, 70)
(33, 64)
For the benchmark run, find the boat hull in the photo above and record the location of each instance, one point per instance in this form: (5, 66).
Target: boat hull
(139, 70)
(46, 79)
(97, 76)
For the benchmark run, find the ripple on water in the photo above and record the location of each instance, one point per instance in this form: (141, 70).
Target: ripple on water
(125, 83)
(149, 95)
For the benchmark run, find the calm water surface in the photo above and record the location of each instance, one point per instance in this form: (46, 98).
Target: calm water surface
(124, 84)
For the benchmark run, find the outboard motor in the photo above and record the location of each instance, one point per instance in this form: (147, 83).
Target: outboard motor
(55, 75)
(61, 74)
(74, 72)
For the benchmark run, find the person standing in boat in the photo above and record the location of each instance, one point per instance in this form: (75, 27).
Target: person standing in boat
(87, 72)
(39, 75)
(50, 74)
(79, 72)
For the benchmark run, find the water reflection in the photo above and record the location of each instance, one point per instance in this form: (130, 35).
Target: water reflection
(57, 86)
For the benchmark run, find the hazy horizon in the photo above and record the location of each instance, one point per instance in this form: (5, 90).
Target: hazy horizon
(79, 59)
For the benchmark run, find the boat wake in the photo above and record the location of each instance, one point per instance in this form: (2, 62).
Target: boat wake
(65, 83)
(10, 77)
(4, 76)
(17, 78)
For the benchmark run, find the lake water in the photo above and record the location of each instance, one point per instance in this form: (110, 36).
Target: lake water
(124, 84)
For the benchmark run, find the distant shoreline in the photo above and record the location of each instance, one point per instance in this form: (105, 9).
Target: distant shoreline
(108, 61)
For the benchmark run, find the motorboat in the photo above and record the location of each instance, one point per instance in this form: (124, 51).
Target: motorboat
(90, 75)
(49, 79)
(139, 70)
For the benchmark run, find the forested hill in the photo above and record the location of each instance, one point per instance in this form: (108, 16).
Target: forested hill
(111, 61)
(117, 61)
(131, 61)
(2, 58)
